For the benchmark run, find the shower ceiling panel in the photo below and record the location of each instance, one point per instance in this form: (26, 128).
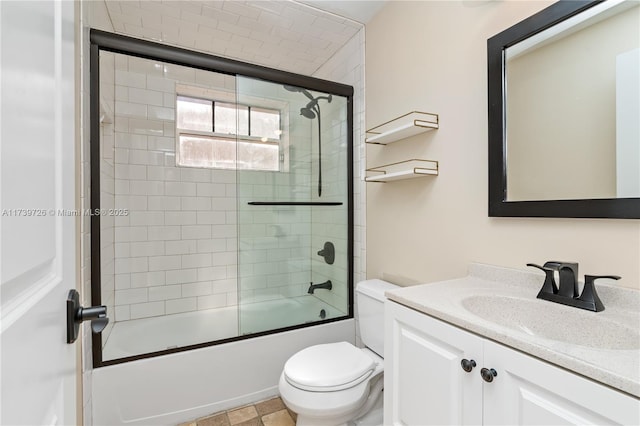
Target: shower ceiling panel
(280, 34)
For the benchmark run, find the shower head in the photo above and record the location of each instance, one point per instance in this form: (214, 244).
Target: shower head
(307, 113)
(311, 111)
(313, 108)
(296, 89)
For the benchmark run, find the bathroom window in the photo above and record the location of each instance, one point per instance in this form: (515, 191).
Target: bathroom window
(220, 134)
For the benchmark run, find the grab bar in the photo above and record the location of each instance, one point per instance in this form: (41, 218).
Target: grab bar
(293, 203)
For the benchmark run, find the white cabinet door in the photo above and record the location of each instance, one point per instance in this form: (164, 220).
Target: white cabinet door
(528, 391)
(38, 245)
(424, 380)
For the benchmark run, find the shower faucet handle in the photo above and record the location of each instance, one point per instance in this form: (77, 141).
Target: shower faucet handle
(328, 252)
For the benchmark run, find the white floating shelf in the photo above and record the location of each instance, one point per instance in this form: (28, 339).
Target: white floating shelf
(407, 125)
(408, 169)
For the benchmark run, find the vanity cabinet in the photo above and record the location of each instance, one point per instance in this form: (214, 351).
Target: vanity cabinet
(425, 382)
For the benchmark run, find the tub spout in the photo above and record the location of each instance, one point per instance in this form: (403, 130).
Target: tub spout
(326, 285)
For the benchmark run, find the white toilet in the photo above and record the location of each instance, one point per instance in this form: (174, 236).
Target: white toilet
(337, 383)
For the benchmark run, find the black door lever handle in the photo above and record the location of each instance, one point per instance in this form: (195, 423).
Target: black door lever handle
(76, 314)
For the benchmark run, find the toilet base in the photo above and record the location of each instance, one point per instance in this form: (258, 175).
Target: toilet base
(370, 414)
(302, 421)
(374, 417)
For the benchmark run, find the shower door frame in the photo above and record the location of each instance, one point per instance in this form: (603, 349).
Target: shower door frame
(116, 43)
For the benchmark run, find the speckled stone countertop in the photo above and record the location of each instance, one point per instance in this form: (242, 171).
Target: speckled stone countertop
(501, 304)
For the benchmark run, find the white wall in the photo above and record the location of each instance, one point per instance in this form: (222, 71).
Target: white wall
(329, 224)
(138, 158)
(347, 66)
(274, 241)
(431, 56)
(176, 249)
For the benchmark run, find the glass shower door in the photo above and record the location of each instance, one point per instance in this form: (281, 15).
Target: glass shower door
(168, 257)
(235, 201)
(292, 208)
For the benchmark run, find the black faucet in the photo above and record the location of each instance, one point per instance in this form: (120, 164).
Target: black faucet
(567, 292)
(568, 277)
(326, 285)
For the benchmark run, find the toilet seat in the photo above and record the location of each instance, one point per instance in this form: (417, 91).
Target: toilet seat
(328, 368)
(326, 407)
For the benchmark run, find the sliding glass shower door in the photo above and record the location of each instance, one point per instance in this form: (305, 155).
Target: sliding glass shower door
(168, 254)
(225, 204)
(292, 207)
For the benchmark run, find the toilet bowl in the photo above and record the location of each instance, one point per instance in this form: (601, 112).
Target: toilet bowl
(337, 383)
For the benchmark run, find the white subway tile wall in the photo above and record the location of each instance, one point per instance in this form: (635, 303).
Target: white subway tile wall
(347, 66)
(280, 34)
(168, 251)
(285, 230)
(182, 229)
(184, 219)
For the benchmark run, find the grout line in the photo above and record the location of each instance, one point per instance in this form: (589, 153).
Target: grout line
(289, 416)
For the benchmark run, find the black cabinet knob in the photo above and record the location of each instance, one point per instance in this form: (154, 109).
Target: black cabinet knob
(488, 374)
(467, 364)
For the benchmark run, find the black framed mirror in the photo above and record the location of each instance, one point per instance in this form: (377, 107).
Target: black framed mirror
(537, 167)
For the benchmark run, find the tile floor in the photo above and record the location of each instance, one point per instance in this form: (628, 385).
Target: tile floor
(271, 412)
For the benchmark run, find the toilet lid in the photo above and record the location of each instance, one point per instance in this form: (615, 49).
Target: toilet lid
(328, 367)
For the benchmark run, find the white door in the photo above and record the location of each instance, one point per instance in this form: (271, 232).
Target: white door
(37, 181)
(527, 391)
(424, 382)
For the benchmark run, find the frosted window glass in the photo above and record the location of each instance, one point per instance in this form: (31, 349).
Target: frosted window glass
(221, 153)
(194, 114)
(258, 156)
(265, 123)
(226, 119)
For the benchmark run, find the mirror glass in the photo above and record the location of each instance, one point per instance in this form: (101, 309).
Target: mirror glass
(572, 108)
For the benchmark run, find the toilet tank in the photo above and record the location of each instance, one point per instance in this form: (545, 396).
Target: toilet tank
(370, 307)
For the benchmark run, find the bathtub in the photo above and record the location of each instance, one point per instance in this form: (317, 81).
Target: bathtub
(175, 388)
(145, 335)
(140, 336)
(274, 314)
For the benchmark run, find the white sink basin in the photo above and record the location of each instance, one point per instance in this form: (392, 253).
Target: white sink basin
(500, 304)
(554, 322)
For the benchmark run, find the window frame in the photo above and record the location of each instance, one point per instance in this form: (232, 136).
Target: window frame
(213, 135)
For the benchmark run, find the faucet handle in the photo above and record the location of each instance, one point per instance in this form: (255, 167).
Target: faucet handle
(549, 285)
(589, 294)
(568, 286)
(567, 274)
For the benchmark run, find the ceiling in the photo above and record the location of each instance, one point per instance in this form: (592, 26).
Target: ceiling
(358, 10)
(281, 34)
